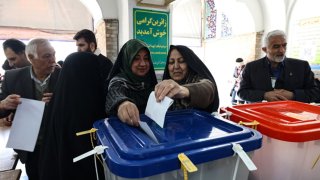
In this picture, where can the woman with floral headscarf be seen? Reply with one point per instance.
(130, 82)
(188, 81)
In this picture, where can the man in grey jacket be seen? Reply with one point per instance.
(33, 82)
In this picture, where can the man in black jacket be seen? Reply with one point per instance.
(14, 50)
(276, 77)
(86, 42)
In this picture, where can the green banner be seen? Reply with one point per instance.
(152, 27)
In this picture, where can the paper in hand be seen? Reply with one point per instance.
(157, 110)
(144, 126)
(26, 125)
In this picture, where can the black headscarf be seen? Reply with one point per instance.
(77, 102)
(196, 68)
(137, 89)
(122, 66)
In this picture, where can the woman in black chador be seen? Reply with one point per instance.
(78, 102)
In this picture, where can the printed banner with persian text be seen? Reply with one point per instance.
(152, 27)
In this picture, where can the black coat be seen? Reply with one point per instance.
(105, 65)
(296, 77)
(78, 101)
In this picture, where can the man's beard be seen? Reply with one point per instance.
(279, 59)
(88, 50)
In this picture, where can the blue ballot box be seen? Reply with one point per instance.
(206, 140)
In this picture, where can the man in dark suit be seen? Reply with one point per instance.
(33, 82)
(14, 51)
(86, 42)
(276, 77)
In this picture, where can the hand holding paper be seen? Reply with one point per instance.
(26, 124)
(157, 110)
(144, 126)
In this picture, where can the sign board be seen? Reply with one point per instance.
(305, 40)
(152, 27)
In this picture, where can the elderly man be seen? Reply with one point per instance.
(86, 42)
(276, 77)
(33, 82)
(14, 50)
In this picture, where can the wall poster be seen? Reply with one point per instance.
(152, 27)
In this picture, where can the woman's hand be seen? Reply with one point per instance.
(128, 113)
(171, 89)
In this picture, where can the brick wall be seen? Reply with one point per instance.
(101, 38)
(107, 36)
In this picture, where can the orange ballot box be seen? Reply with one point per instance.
(291, 138)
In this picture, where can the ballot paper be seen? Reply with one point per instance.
(157, 110)
(26, 125)
(144, 126)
